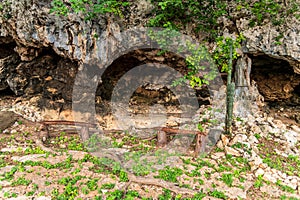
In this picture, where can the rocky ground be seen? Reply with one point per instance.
(260, 160)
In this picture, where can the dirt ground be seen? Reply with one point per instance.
(121, 165)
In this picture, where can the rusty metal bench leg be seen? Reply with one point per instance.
(84, 133)
(198, 145)
(44, 132)
(161, 138)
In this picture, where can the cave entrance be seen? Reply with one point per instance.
(7, 49)
(279, 85)
(7, 93)
(148, 98)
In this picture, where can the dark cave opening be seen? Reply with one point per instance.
(7, 92)
(280, 86)
(148, 94)
(275, 79)
(297, 90)
(7, 49)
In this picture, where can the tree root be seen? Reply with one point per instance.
(40, 144)
(160, 183)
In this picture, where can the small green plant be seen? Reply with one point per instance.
(142, 168)
(9, 175)
(284, 197)
(108, 186)
(34, 189)
(258, 136)
(169, 174)
(36, 150)
(207, 175)
(85, 190)
(200, 195)
(21, 181)
(223, 168)
(116, 144)
(285, 188)
(227, 179)
(10, 195)
(47, 183)
(166, 195)
(3, 163)
(217, 194)
(123, 176)
(200, 127)
(258, 182)
(117, 194)
(131, 195)
(92, 184)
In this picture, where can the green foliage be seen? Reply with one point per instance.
(221, 54)
(197, 60)
(9, 175)
(177, 13)
(285, 188)
(5, 9)
(264, 8)
(227, 179)
(3, 162)
(10, 195)
(108, 186)
(217, 194)
(70, 190)
(272, 10)
(166, 195)
(200, 195)
(32, 150)
(59, 7)
(131, 195)
(117, 194)
(92, 184)
(88, 8)
(258, 182)
(169, 174)
(123, 176)
(21, 181)
(198, 54)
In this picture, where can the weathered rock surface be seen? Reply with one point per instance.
(45, 50)
(33, 29)
(7, 119)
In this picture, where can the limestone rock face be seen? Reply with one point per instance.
(7, 64)
(44, 50)
(30, 25)
(281, 42)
